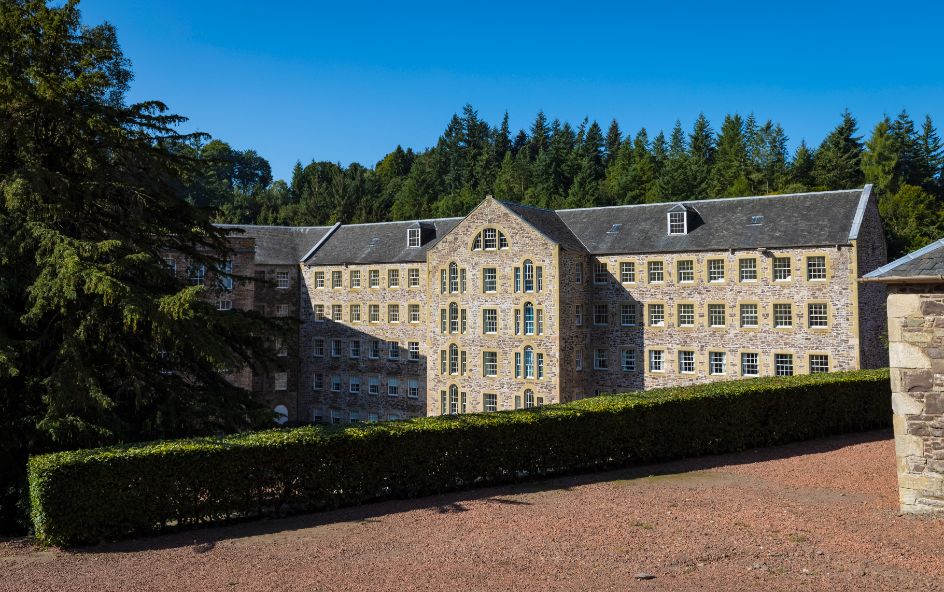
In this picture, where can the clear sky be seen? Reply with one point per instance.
(345, 81)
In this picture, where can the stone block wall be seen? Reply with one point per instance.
(916, 351)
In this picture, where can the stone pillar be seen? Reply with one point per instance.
(916, 354)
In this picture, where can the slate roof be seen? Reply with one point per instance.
(925, 264)
(795, 220)
(548, 223)
(381, 242)
(281, 245)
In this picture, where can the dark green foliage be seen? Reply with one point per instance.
(836, 162)
(89, 495)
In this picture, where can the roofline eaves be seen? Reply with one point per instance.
(875, 274)
(860, 212)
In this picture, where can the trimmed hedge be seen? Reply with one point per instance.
(85, 496)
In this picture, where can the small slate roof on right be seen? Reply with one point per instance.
(925, 264)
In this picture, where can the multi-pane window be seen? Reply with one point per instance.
(355, 278)
(355, 313)
(601, 360)
(750, 364)
(782, 269)
(335, 279)
(393, 278)
(319, 279)
(414, 348)
(656, 272)
(354, 348)
(686, 362)
(656, 315)
(716, 315)
(317, 382)
(528, 399)
(281, 381)
(601, 314)
(457, 319)
(413, 389)
(578, 360)
(783, 364)
(816, 268)
(748, 315)
(656, 360)
(453, 359)
(354, 385)
(453, 278)
(373, 386)
(393, 387)
(336, 347)
(490, 363)
(413, 277)
(393, 313)
(528, 318)
(373, 313)
(529, 362)
(685, 271)
(490, 402)
(716, 270)
(627, 314)
(414, 312)
(818, 315)
(676, 222)
(373, 351)
(578, 273)
(224, 304)
(335, 383)
(225, 280)
(783, 315)
(578, 314)
(717, 362)
(489, 279)
(281, 310)
(373, 278)
(490, 320)
(281, 279)
(747, 270)
(393, 349)
(337, 312)
(318, 348)
(628, 360)
(819, 363)
(197, 273)
(319, 312)
(528, 276)
(490, 236)
(627, 272)
(601, 274)
(413, 237)
(686, 315)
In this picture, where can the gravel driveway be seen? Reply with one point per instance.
(819, 515)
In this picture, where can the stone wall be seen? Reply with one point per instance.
(871, 254)
(916, 346)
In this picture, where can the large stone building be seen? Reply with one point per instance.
(516, 306)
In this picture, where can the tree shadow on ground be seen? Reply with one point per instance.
(204, 540)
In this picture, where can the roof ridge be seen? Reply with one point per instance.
(227, 225)
(404, 221)
(692, 202)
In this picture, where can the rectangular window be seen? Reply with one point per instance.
(393, 278)
(540, 358)
(656, 315)
(818, 315)
(489, 279)
(413, 277)
(685, 271)
(354, 348)
(373, 351)
(748, 314)
(318, 348)
(578, 273)
(600, 360)
(628, 360)
(517, 279)
(686, 362)
(335, 279)
(656, 360)
(578, 314)
(578, 360)
(783, 315)
(716, 270)
(335, 383)
(490, 320)
(816, 268)
(627, 272)
(226, 275)
(517, 364)
(318, 310)
(319, 279)
(517, 321)
(686, 315)
(442, 281)
(373, 278)
(414, 311)
(601, 274)
(373, 313)
(490, 363)
(355, 278)
(601, 314)
(336, 347)
(413, 389)
(354, 386)
(393, 349)
(224, 305)
(750, 364)
(281, 310)
(281, 348)
(490, 236)
(373, 386)
(281, 280)
(336, 312)
(393, 387)
(676, 222)
(413, 237)
(656, 272)
(819, 363)
(716, 316)
(393, 313)
(783, 364)
(747, 270)
(717, 362)
(317, 382)
(490, 402)
(628, 315)
(355, 313)
(414, 349)
(782, 269)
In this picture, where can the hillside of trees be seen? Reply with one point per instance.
(557, 165)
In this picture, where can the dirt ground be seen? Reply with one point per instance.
(820, 515)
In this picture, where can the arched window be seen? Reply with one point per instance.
(528, 318)
(281, 414)
(528, 362)
(528, 399)
(453, 278)
(491, 238)
(453, 359)
(453, 399)
(477, 243)
(453, 317)
(528, 276)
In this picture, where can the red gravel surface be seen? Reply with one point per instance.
(819, 515)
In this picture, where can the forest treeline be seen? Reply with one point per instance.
(557, 165)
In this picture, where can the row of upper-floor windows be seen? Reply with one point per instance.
(336, 416)
(746, 315)
(528, 278)
(815, 268)
(453, 401)
(196, 273)
(527, 363)
(375, 349)
(355, 384)
(370, 313)
(686, 362)
(528, 320)
(373, 279)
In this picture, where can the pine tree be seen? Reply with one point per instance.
(800, 171)
(727, 174)
(539, 135)
(930, 158)
(902, 131)
(589, 170)
(880, 159)
(675, 182)
(701, 148)
(502, 139)
(836, 164)
(614, 137)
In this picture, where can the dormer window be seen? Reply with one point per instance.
(678, 220)
(413, 237)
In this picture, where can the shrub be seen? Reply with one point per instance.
(85, 496)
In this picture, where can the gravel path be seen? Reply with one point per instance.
(819, 515)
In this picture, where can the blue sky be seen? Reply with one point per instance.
(344, 81)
